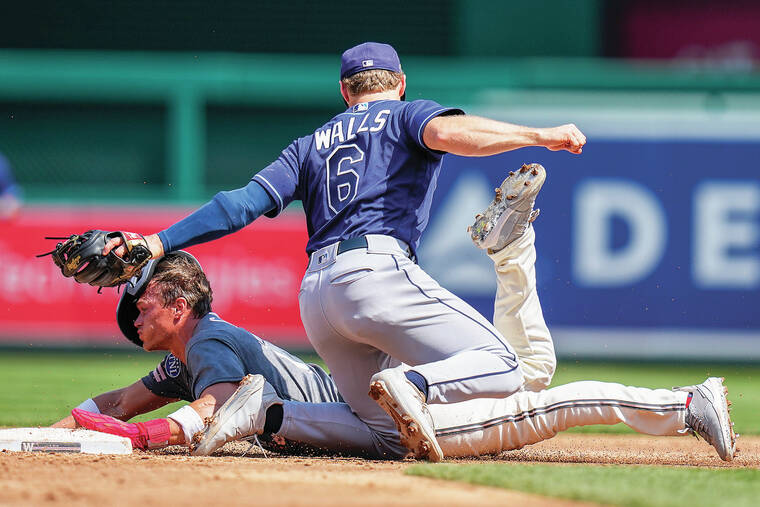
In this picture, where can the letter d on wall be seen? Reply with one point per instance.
(595, 262)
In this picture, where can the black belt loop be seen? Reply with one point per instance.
(352, 244)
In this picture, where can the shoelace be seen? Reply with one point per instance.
(698, 428)
(254, 440)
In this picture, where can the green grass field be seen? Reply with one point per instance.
(41, 386)
(629, 486)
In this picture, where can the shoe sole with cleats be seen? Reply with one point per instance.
(413, 435)
(515, 195)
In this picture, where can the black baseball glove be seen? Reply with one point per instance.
(81, 256)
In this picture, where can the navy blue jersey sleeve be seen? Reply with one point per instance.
(280, 179)
(226, 213)
(417, 115)
(170, 379)
(213, 361)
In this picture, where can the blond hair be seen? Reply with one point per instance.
(375, 80)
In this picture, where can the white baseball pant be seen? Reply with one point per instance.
(517, 311)
(489, 426)
(372, 308)
(485, 426)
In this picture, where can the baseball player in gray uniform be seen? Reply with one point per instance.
(278, 395)
(366, 180)
(169, 308)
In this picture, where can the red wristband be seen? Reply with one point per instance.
(154, 433)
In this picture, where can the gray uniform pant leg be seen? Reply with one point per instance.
(367, 310)
(335, 427)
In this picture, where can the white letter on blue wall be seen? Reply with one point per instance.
(725, 235)
(595, 262)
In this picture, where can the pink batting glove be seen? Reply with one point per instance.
(145, 435)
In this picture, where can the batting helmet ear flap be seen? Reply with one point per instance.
(126, 311)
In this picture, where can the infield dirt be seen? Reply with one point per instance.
(172, 477)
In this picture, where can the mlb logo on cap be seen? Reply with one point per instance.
(367, 56)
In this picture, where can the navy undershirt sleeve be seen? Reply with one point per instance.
(170, 379)
(226, 213)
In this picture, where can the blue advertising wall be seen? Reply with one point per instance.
(645, 247)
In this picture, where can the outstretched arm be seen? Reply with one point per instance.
(177, 428)
(473, 136)
(123, 404)
(226, 213)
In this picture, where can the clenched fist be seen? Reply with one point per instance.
(565, 137)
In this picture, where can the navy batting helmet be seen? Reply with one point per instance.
(126, 311)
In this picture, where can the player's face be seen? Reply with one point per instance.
(155, 323)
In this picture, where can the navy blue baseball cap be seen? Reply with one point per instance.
(368, 56)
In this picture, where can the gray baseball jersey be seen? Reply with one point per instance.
(221, 352)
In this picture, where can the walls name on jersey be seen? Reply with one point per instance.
(349, 128)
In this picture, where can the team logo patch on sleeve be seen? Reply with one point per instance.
(173, 366)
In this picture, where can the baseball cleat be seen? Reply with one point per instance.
(510, 212)
(403, 402)
(242, 415)
(708, 417)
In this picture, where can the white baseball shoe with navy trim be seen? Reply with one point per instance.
(708, 416)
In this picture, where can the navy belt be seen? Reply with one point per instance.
(352, 244)
(361, 242)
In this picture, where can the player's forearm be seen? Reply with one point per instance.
(177, 435)
(473, 136)
(113, 403)
(130, 401)
(108, 401)
(188, 420)
(226, 213)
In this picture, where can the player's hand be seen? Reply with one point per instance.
(120, 249)
(67, 422)
(146, 435)
(565, 137)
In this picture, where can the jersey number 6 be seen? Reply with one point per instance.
(342, 180)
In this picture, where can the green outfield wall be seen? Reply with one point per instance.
(422, 27)
(179, 126)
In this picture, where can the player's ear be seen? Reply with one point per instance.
(180, 306)
(402, 89)
(343, 91)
